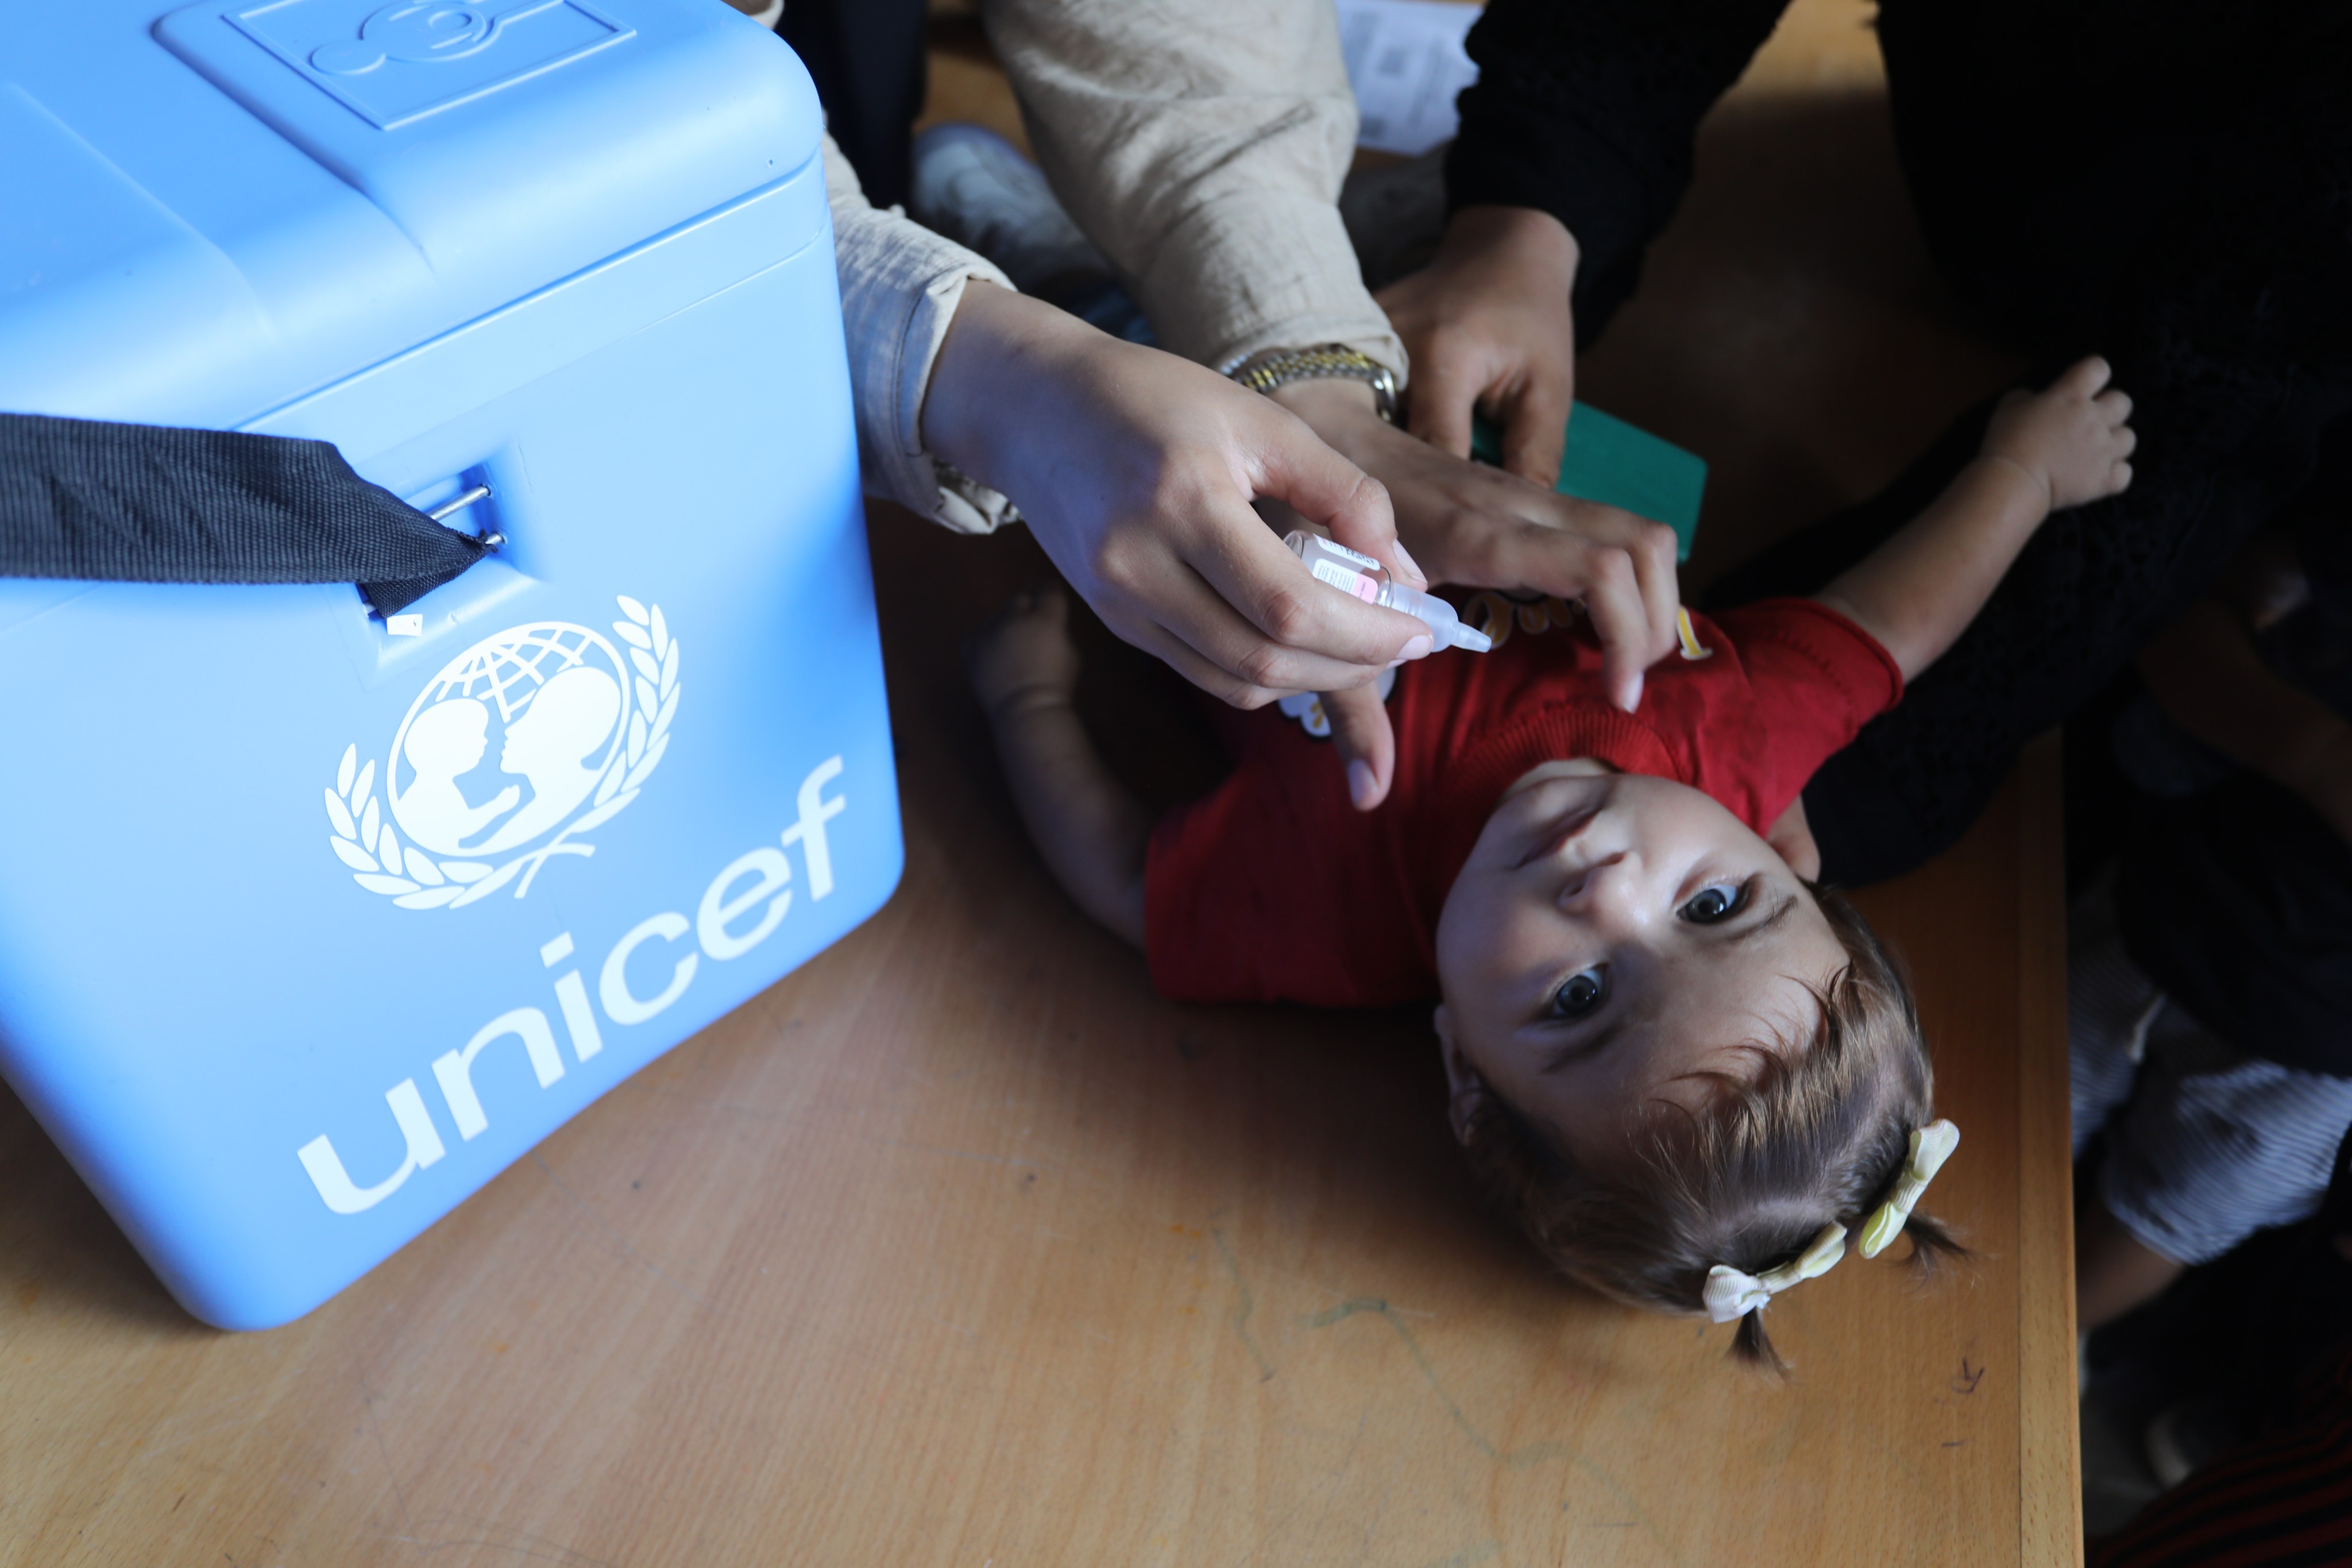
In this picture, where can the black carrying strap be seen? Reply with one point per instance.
(149, 503)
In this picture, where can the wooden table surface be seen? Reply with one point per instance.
(959, 1247)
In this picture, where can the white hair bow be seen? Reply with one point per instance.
(1930, 1146)
(1731, 1295)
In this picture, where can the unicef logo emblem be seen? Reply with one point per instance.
(422, 31)
(520, 745)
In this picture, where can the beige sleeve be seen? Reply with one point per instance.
(1201, 143)
(901, 284)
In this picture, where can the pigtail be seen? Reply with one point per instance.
(1934, 1247)
(1751, 1347)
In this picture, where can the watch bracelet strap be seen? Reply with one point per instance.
(1271, 368)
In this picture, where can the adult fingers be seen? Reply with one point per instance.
(1366, 743)
(1179, 656)
(1197, 667)
(1621, 624)
(1367, 526)
(1442, 400)
(1270, 628)
(1657, 563)
(1299, 624)
(1535, 424)
(1294, 467)
(1625, 576)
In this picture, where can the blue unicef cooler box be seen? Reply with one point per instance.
(307, 928)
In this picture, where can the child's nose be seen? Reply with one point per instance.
(1604, 885)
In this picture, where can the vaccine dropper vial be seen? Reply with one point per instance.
(1368, 580)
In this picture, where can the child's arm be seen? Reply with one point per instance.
(2044, 451)
(1091, 831)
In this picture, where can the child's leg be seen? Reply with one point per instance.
(2110, 1007)
(2214, 1146)
(2113, 1270)
(1091, 830)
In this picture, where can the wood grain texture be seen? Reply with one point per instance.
(961, 1247)
(2051, 1460)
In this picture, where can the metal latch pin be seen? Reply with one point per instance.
(491, 541)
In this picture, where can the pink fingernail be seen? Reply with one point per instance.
(1359, 785)
(1405, 560)
(1417, 646)
(1633, 696)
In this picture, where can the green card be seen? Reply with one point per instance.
(1617, 464)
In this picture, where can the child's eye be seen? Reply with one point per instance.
(1585, 991)
(1710, 905)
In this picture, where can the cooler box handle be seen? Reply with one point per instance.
(95, 501)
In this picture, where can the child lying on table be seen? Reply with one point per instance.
(1689, 1071)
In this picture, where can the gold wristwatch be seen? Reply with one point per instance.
(1271, 368)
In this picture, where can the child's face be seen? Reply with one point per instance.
(1611, 933)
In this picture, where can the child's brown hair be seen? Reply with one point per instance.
(1817, 1135)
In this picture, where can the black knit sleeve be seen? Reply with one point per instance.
(1587, 109)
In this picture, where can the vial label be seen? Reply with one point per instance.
(1348, 582)
(1366, 562)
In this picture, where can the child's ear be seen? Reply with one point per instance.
(1467, 1093)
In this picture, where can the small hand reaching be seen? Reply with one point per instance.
(2044, 451)
(2071, 437)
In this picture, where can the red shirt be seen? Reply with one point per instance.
(1275, 888)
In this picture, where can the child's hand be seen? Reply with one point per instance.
(2071, 437)
(1024, 656)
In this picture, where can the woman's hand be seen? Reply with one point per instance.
(1481, 528)
(1137, 470)
(1487, 324)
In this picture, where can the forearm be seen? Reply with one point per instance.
(901, 289)
(1552, 123)
(1201, 147)
(1092, 832)
(1917, 592)
(2207, 673)
(998, 342)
